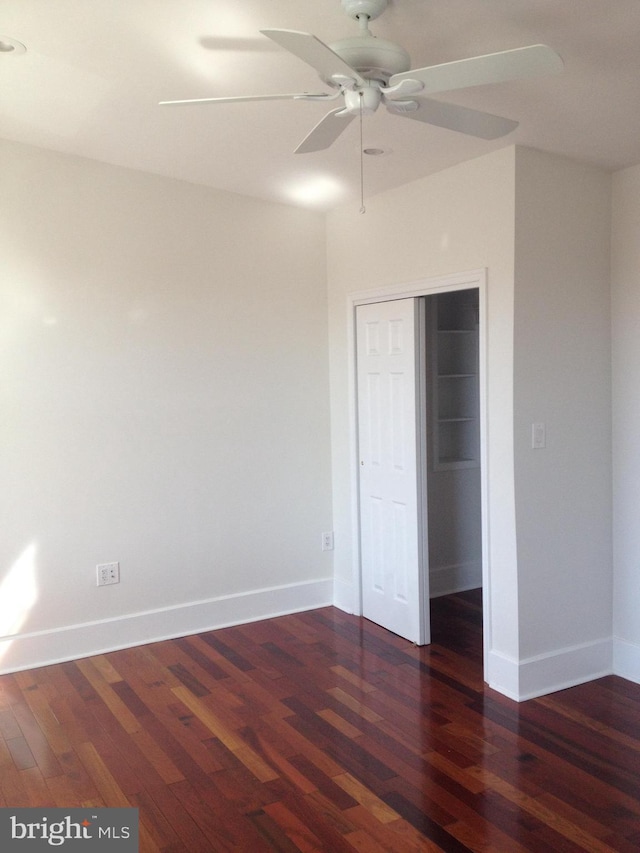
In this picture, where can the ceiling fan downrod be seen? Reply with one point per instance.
(374, 58)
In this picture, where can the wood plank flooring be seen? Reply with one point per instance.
(323, 732)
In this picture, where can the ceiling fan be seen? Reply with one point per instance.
(365, 71)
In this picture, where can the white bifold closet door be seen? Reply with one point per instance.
(392, 525)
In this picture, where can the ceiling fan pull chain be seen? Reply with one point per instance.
(362, 207)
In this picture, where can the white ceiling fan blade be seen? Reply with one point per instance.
(299, 96)
(454, 117)
(315, 53)
(325, 132)
(537, 59)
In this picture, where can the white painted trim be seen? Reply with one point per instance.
(345, 596)
(564, 668)
(422, 472)
(547, 673)
(485, 478)
(626, 659)
(41, 648)
(501, 674)
(445, 580)
(423, 287)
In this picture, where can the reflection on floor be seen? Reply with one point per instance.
(321, 731)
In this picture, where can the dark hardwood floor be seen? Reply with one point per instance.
(323, 732)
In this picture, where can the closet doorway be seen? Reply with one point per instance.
(421, 439)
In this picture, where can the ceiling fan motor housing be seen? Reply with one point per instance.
(373, 58)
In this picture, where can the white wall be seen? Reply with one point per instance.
(540, 225)
(457, 220)
(164, 368)
(625, 280)
(562, 377)
(164, 403)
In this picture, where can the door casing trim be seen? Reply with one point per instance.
(423, 287)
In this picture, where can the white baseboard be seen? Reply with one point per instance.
(41, 648)
(502, 674)
(445, 580)
(344, 596)
(542, 674)
(626, 659)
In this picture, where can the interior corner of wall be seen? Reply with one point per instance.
(626, 660)
(344, 595)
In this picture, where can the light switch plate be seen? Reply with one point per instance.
(538, 436)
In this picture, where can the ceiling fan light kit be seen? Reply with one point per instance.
(367, 71)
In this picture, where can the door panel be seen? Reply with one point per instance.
(393, 570)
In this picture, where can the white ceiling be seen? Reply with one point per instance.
(94, 71)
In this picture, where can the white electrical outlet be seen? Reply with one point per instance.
(108, 573)
(327, 541)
